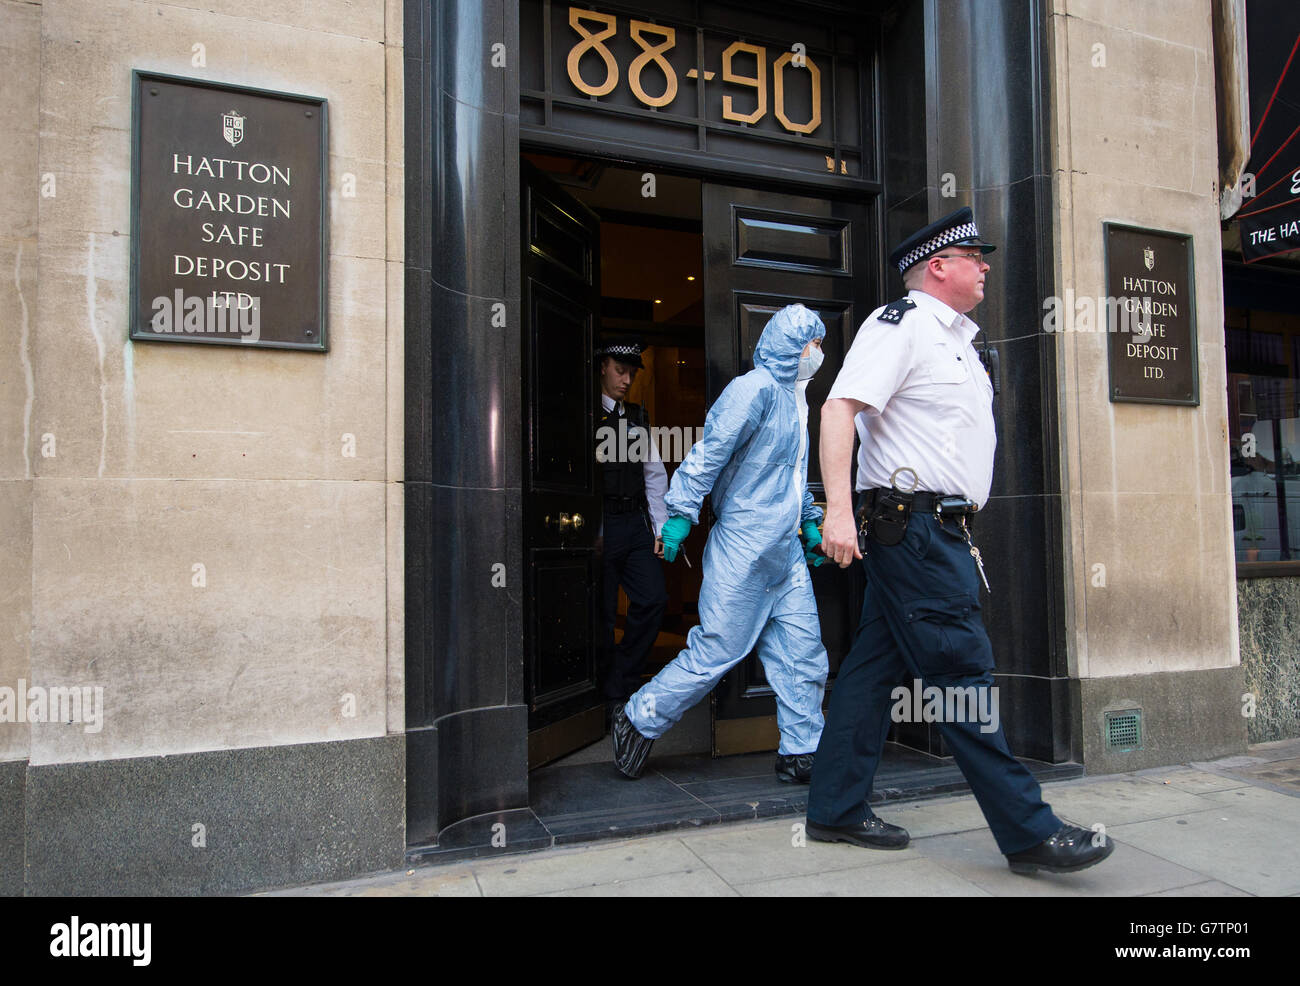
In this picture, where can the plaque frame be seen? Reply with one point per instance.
(138, 333)
(1112, 341)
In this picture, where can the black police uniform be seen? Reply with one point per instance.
(921, 612)
(629, 559)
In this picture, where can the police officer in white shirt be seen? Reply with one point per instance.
(922, 403)
(635, 482)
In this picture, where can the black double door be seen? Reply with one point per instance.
(762, 251)
(562, 497)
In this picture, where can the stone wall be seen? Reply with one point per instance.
(125, 464)
(1149, 561)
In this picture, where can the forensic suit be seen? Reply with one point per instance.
(753, 458)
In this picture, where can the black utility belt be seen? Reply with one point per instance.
(922, 500)
(623, 504)
(883, 513)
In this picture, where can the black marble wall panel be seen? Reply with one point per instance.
(986, 132)
(465, 767)
(903, 119)
(421, 784)
(270, 816)
(464, 431)
(1021, 464)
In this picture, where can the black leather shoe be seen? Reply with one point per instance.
(631, 749)
(1069, 850)
(871, 834)
(795, 768)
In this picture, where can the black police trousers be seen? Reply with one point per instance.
(629, 559)
(921, 629)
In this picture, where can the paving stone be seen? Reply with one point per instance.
(431, 881)
(1120, 800)
(573, 869)
(907, 878)
(764, 851)
(1189, 779)
(1281, 806)
(1210, 888)
(701, 882)
(974, 856)
(1240, 846)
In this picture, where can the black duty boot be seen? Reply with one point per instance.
(874, 833)
(1069, 850)
(795, 768)
(631, 749)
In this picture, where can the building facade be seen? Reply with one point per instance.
(336, 603)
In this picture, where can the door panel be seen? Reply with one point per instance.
(561, 293)
(764, 251)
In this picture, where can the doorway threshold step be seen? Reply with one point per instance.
(592, 801)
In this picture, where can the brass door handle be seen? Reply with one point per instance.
(566, 522)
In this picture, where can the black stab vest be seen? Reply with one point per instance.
(624, 478)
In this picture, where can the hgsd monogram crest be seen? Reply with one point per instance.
(232, 127)
(1149, 258)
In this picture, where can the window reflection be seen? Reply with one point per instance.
(1263, 357)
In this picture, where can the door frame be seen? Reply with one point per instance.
(745, 733)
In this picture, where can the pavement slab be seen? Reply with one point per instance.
(772, 850)
(1234, 844)
(1226, 828)
(1128, 872)
(688, 883)
(574, 869)
(909, 877)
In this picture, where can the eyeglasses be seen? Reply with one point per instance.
(977, 257)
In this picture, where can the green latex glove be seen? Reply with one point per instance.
(811, 538)
(673, 534)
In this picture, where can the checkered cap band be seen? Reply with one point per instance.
(619, 350)
(966, 231)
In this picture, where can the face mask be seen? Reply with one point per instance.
(809, 365)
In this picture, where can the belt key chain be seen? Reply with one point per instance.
(975, 553)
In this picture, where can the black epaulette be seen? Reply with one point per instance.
(895, 310)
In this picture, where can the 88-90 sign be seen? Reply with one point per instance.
(655, 41)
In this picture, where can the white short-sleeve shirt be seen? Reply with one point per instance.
(929, 401)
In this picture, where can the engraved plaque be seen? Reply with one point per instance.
(228, 228)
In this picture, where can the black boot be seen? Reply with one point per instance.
(874, 833)
(631, 749)
(1069, 850)
(795, 768)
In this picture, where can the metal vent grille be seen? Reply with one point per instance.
(1124, 730)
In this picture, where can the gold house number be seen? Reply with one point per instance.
(645, 34)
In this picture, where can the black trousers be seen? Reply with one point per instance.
(629, 560)
(921, 626)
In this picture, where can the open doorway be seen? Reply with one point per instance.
(651, 291)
